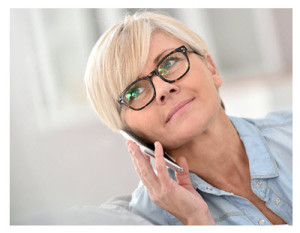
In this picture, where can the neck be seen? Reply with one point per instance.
(217, 155)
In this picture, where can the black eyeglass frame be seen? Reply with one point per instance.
(181, 49)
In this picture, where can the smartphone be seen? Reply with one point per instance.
(148, 149)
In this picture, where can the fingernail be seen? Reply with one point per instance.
(130, 149)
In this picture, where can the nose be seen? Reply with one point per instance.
(164, 90)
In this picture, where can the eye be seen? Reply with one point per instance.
(134, 93)
(170, 62)
(167, 65)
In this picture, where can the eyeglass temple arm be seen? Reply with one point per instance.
(194, 51)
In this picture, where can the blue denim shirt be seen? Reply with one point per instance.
(268, 144)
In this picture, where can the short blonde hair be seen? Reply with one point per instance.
(119, 56)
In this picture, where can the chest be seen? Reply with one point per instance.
(261, 205)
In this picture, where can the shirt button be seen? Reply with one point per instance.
(277, 201)
(261, 222)
(208, 188)
(259, 183)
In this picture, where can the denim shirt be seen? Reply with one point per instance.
(268, 144)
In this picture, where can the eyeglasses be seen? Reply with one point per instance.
(171, 68)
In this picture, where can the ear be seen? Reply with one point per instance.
(213, 70)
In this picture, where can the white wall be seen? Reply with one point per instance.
(81, 162)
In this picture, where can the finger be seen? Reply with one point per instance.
(142, 176)
(141, 172)
(143, 166)
(162, 171)
(133, 147)
(144, 155)
(138, 157)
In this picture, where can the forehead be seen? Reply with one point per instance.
(161, 41)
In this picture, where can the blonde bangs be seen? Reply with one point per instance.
(116, 60)
(130, 50)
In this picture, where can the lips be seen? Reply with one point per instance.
(178, 107)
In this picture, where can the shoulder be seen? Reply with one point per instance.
(276, 119)
(276, 127)
(276, 130)
(272, 132)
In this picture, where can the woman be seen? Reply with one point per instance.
(236, 171)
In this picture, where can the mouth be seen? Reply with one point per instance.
(177, 108)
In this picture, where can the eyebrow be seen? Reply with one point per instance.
(157, 59)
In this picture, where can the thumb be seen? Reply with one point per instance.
(183, 178)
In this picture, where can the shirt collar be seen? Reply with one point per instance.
(261, 161)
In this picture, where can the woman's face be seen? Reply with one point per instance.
(200, 85)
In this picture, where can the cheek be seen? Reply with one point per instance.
(143, 123)
(202, 82)
(201, 73)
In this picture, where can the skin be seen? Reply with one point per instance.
(201, 139)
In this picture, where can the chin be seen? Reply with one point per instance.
(194, 127)
(186, 130)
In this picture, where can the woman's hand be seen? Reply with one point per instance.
(178, 198)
